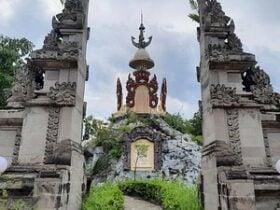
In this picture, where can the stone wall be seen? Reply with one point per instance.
(240, 119)
(40, 131)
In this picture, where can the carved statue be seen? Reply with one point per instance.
(257, 81)
(72, 16)
(23, 86)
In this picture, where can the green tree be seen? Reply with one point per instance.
(196, 124)
(12, 51)
(194, 6)
(141, 152)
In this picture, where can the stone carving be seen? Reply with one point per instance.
(16, 147)
(63, 94)
(52, 134)
(215, 13)
(224, 153)
(234, 135)
(24, 84)
(72, 17)
(257, 81)
(267, 149)
(119, 94)
(143, 133)
(130, 86)
(224, 96)
(51, 41)
(141, 78)
(62, 152)
(56, 48)
(163, 94)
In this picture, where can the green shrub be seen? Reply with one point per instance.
(171, 195)
(105, 197)
(177, 122)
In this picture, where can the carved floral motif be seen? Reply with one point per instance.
(63, 94)
(143, 133)
(16, 147)
(224, 96)
(52, 133)
(234, 135)
(142, 78)
(119, 94)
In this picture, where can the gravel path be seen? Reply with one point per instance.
(132, 203)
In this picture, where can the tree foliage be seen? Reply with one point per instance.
(12, 51)
(194, 6)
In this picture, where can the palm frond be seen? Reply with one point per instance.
(194, 17)
(194, 4)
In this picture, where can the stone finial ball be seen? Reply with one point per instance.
(277, 166)
(3, 164)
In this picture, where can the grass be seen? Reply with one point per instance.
(105, 197)
(171, 195)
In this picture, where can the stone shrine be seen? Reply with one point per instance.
(41, 129)
(142, 95)
(241, 120)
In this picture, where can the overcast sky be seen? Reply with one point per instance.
(174, 48)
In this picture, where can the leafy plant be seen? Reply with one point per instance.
(141, 152)
(12, 52)
(194, 6)
(105, 197)
(171, 195)
(192, 126)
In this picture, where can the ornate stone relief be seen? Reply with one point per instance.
(56, 48)
(72, 16)
(234, 135)
(257, 81)
(224, 153)
(16, 147)
(63, 94)
(141, 78)
(214, 11)
(163, 94)
(143, 133)
(224, 96)
(52, 134)
(119, 94)
(62, 152)
(24, 84)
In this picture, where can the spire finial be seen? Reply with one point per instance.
(142, 44)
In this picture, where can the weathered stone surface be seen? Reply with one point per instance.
(180, 159)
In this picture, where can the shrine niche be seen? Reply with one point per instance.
(142, 149)
(142, 96)
(142, 155)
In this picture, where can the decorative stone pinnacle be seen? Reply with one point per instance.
(141, 44)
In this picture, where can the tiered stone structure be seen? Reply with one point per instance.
(142, 91)
(40, 132)
(241, 120)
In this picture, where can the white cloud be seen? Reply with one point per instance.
(49, 8)
(175, 105)
(7, 11)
